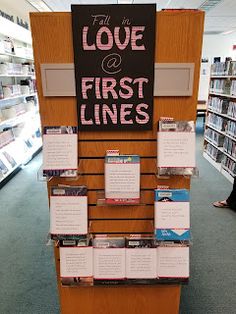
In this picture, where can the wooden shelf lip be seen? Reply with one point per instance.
(222, 95)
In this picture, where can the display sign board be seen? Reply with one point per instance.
(114, 66)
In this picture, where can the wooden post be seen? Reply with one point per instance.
(178, 39)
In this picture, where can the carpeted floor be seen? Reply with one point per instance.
(28, 283)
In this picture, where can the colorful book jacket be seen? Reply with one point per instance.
(172, 215)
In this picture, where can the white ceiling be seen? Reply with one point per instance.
(219, 19)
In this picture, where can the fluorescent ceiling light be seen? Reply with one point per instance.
(209, 4)
(39, 5)
(228, 32)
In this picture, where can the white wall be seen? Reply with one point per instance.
(214, 46)
(219, 46)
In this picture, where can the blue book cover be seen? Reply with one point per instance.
(172, 215)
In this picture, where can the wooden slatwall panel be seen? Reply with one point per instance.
(178, 39)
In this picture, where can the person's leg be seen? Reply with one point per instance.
(231, 200)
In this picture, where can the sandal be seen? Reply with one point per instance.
(221, 204)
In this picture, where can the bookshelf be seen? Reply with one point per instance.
(220, 130)
(20, 136)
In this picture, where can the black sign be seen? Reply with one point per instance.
(114, 66)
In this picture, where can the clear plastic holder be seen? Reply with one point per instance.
(166, 173)
(101, 200)
(49, 241)
(173, 243)
(41, 177)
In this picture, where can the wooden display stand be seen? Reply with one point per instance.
(178, 39)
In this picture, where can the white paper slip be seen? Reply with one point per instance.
(76, 261)
(176, 149)
(173, 262)
(60, 151)
(68, 215)
(122, 178)
(109, 263)
(172, 215)
(141, 263)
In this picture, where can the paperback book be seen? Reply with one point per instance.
(172, 215)
(175, 147)
(141, 262)
(109, 260)
(173, 263)
(68, 212)
(76, 263)
(122, 179)
(60, 151)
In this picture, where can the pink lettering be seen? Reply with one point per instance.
(109, 44)
(83, 119)
(112, 114)
(142, 113)
(126, 87)
(86, 86)
(96, 112)
(108, 85)
(135, 37)
(125, 110)
(140, 82)
(117, 37)
(84, 40)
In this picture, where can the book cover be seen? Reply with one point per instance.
(109, 261)
(176, 147)
(141, 262)
(76, 263)
(68, 212)
(172, 214)
(173, 263)
(60, 151)
(122, 179)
